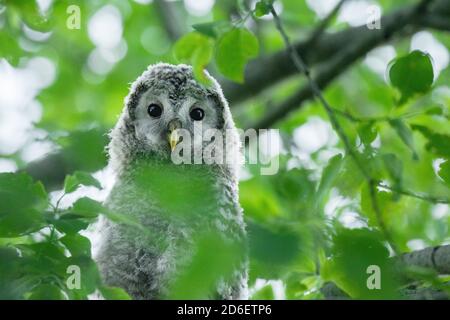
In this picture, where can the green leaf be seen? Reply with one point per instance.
(350, 179)
(90, 277)
(77, 245)
(195, 49)
(273, 246)
(262, 8)
(438, 144)
(214, 260)
(18, 192)
(435, 111)
(22, 202)
(46, 292)
(294, 186)
(265, 293)
(329, 176)
(114, 293)
(394, 167)
(87, 207)
(68, 223)
(405, 133)
(234, 49)
(367, 204)
(31, 15)
(353, 252)
(388, 208)
(411, 74)
(294, 287)
(10, 49)
(444, 172)
(367, 132)
(212, 29)
(171, 185)
(12, 285)
(258, 200)
(85, 149)
(21, 223)
(72, 182)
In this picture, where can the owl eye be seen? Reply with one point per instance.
(197, 114)
(154, 110)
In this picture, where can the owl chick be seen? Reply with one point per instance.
(170, 204)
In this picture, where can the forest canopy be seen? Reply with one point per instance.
(358, 91)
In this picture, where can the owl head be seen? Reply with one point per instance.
(164, 100)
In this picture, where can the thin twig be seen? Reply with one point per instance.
(417, 195)
(317, 33)
(316, 91)
(334, 60)
(56, 207)
(354, 118)
(303, 68)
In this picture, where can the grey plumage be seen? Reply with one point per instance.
(145, 263)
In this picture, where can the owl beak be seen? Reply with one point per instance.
(173, 139)
(174, 136)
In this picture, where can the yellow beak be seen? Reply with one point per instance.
(173, 139)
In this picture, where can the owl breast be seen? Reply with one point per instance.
(162, 208)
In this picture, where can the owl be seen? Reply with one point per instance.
(170, 204)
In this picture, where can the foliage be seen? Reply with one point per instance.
(412, 74)
(234, 49)
(195, 49)
(40, 242)
(316, 220)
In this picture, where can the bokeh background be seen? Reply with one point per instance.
(61, 90)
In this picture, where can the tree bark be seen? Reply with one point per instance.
(434, 258)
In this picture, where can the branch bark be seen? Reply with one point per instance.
(425, 293)
(332, 292)
(51, 170)
(434, 258)
(437, 22)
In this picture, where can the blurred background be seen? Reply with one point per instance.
(65, 69)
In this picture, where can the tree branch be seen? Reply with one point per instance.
(50, 170)
(325, 74)
(437, 22)
(425, 293)
(434, 258)
(317, 33)
(362, 43)
(266, 71)
(425, 197)
(332, 292)
(169, 18)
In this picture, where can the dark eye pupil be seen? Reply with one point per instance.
(154, 110)
(197, 114)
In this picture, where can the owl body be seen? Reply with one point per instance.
(168, 205)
